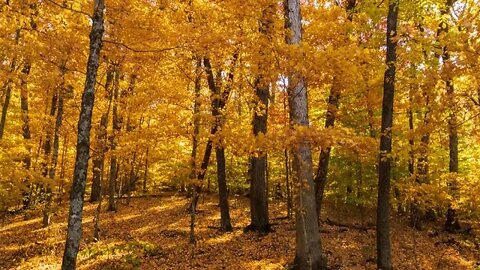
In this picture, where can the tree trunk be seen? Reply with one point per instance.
(308, 253)
(451, 222)
(8, 93)
(99, 159)
(27, 136)
(222, 190)
(56, 145)
(219, 100)
(384, 261)
(332, 107)
(113, 143)
(47, 150)
(74, 229)
(258, 162)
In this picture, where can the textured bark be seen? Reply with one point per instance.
(308, 253)
(99, 158)
(384, 261)
(74, 229)
(112, 182)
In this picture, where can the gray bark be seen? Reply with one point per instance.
(308, 253)
(74, 229)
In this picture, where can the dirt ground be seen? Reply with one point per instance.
(153, 233)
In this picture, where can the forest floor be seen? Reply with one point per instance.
(153, 233)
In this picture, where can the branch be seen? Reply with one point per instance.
(68, 8)
(128, 47)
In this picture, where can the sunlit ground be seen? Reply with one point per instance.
(153, 233)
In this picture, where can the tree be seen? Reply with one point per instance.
(74, 228)
(332, 103)
(308, 253)
(385, 159)
(258, 163)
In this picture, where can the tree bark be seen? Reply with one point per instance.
(74, 229)
(308, 253)
(384, 261)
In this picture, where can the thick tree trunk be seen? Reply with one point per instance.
(74, 229)
(308, 254)
(384, 260)
(258, 164)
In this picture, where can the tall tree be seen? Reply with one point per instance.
(56, 143)
(384, 260)
(258, 163)
(451, 222)
(332, 107)
(74, 229)
(308, 253)
(112, 181)
(99, 158)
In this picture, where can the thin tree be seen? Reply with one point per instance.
(74, 229)
(99, 158)
(384, 261)
(332, 107)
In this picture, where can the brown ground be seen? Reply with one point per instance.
(152, 233)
